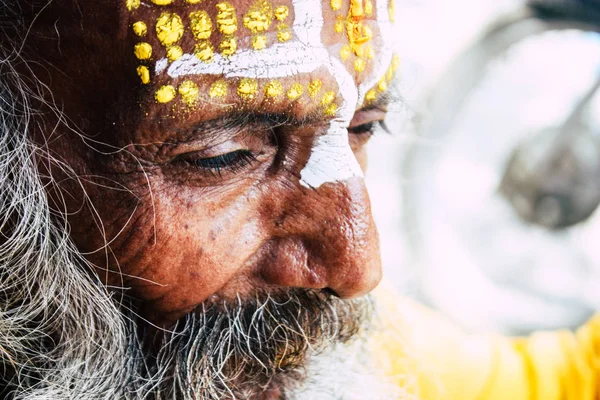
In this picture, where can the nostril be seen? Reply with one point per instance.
(330, 292)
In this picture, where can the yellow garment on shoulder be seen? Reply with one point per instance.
(433, 359)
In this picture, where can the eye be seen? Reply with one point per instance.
(359, 135)
(232, 161)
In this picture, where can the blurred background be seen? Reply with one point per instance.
(486, 197)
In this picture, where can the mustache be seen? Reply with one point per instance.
(229, 349)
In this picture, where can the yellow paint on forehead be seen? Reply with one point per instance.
(371, 95)
(143, 51)
(274, 89)
(314, 88)
(162, 2)
(247, 88)
(169, 28)
(174, 53)
(328, 98)
(281, 13)
(395, 62)
(204, 51)
(384, 81)
(165, 94)
(283, 34)
(144, 74)
(201, 25)
(339, 27)
(140, 28)
(218, 89)
(259, 16)
(382, 85)
(226, 18)
(392, 11)
(228, 46)
(295, 91)
(335, 4)
(189, 92)
(259, 42)
(331, 110)
(132, 4)
(360, 65)
(345, 52)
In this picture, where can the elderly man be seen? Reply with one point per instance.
(183, 213)
(183, 208)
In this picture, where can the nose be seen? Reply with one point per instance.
(323, 238)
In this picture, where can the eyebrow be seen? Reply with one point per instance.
(381, 103)
(233, 122)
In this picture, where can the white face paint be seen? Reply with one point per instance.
(332, 159)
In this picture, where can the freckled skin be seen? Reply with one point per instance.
(177, 235)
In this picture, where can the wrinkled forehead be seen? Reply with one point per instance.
(346, 41)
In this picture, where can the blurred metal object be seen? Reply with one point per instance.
(553, 179)
(504, 176)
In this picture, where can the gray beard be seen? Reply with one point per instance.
(248, 349)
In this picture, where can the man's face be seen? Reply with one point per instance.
(219, 144)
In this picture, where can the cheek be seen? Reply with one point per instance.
(184, 248)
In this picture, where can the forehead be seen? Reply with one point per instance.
(241, 48)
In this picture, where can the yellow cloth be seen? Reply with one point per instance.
(433, 359)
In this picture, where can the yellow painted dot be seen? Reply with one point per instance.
(295, 91)
(201, 25)
(389, 74)
(162, 2)
(370, 52)
(281, 13)
(144, 74)
(382, 85)
(356, 8)
(314, 88)
(371, 95)
(194, 1)
(228, 46)
(165, 94)
(368, 7)
(335, 4)
(274, 89)
(359, 65)
(169, 28)
(284, 34)
(247, 88)
(174, 53)
(339, 26)
(345, 52)
(259, 42)
(226, 18)
(395, 62)
(259, 16)
(204, 51)
(331, 109)
(189, 92)
(140, 28)
(367, 34)
(328, 98)
(218, 89)
(392, 11)
(132, 4)
(143, 51)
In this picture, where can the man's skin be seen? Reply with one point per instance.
(151, 219)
